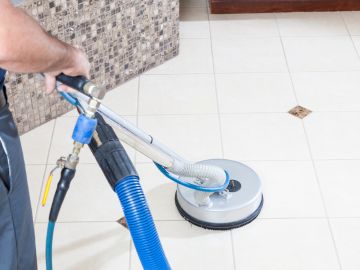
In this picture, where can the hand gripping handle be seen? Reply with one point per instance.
(76, 83)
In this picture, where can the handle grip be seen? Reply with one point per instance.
(76, 83)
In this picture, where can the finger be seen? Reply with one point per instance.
(50, 83)
(64, 88)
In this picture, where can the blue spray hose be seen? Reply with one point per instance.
(141, 224)
(69, 98)
(191, 185)
(49, 244)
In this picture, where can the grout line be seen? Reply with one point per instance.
(233, 249)
(249, 72)
(216, 90)
(78, 221)
(352, 111)
(220, 125)
(312, 159)
(337, 159)
(351, 37)
(243, 113)
(279, 160)
(222, 114)
(137, 115)
(244, 160)
(322, 197)
(76, 116)
(130, 251)
(107, 221)
(204, 38)
(205, 114)
(236, 37)
(179, 114)
(344, 217)
(290, 218)
(45, 171)
(184, 221)
(135, 154)
(287, 62)
(310, 218)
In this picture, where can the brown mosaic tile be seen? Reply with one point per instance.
(300, 112)
(121, 38)
(122, 222)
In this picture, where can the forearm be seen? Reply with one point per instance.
(26, 47)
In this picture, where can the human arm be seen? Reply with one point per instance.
(25, 47)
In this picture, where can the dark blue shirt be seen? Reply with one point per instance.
(2, 74)
(2, 78)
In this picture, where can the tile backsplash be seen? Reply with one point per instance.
(121, 38)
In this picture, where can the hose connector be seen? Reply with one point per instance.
(67, 176)
(94, 91)
(84, 129)
(110, 153)
(82, 84)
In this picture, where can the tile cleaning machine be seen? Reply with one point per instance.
(215, 194)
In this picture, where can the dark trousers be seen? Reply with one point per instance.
(17, 240)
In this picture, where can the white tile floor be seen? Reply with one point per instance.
(227, 95)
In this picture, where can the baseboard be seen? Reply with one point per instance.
(254, 6)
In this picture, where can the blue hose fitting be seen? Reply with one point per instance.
(141, 224)
(84, 129)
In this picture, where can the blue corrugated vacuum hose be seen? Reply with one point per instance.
(141, 224)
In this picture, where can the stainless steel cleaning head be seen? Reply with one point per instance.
(227, 210)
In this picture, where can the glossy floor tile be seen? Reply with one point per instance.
(258, 136)
(311, 24)
(36, 143)
(328, 91)
(339, 180)
(96, 245)
(356, 40)
(347, 238)
(243, 25)
(123, 99)
(200, 249)
(227, 95)
(290, 189)
(177, 94)
(321, 54)
(334, 135)
(35, 177)
(255, 92)
(248, 55)
(274, 244)
(194, 57)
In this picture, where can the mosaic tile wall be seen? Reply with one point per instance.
(121, 38)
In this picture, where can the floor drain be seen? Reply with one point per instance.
(300, 112)
(234, 186)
